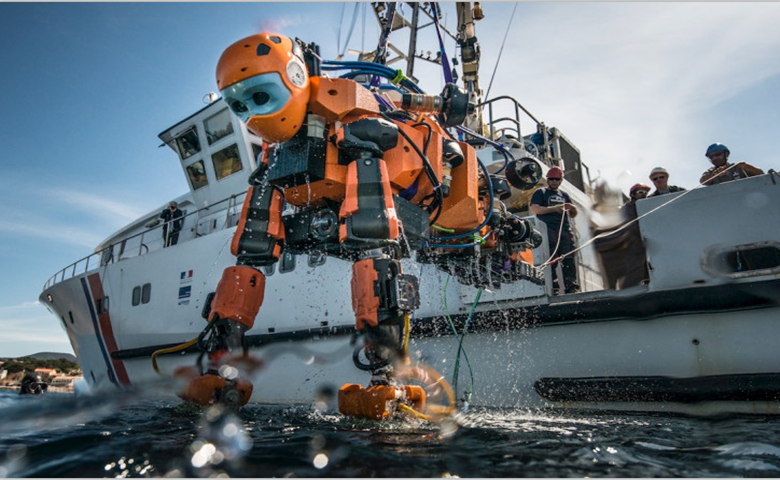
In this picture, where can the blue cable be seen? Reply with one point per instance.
(507, 154)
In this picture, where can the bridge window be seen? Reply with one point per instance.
(188, 143)
(256, 151)
(197, 174)
(218, 126)
(226, 162)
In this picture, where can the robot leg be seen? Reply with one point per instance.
(258, 241)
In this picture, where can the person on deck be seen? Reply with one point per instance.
(172, 217)
(722, 171)
(554, 208)
(660, 178)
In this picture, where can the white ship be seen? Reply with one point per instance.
(698, 337)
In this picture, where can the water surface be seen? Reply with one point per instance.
(60, 435)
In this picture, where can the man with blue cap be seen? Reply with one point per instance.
(722, 171)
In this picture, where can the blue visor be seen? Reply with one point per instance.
(259, 95)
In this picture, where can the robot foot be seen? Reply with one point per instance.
(381, 402)
(212, 388)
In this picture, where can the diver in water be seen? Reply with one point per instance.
(32, 385)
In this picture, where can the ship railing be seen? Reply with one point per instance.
(514, 121)
(149, 240)
(510, 125)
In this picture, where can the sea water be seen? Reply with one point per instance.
(131, 435)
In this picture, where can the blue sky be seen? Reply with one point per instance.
(86, 87)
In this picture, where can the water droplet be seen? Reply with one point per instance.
(320, 461)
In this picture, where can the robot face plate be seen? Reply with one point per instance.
(263, 94)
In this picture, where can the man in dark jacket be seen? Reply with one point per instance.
(554, 208)
(172, 217)
(722, 171)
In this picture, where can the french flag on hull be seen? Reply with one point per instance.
(186, 276)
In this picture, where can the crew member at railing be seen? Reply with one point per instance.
(660, 178)
(722, 171)
(172, 217)
(554, 207)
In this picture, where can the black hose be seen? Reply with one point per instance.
(428, 170)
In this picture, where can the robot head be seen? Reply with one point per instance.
(264, 81)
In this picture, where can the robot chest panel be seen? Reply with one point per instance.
(309, 172)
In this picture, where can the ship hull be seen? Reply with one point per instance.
(699, 350)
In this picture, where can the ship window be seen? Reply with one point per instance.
(188, 143)
(226, 161)
(136, 296)
(287, 263)
(107, 256)
(269, 270)
(197, 174)
(146, 292)
(256, 151)
(218, 126)
(101, 305)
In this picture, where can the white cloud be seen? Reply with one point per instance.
(51, 230)
(626, 81)
(65, 215)
(114, 212)
(22, 306)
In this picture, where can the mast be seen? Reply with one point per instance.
(412, 40)
(391, 19)
(469, 54)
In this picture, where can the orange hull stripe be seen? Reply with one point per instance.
(107, 330)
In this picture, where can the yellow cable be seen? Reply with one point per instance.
(407, 332)
(175, 349)
(406, 408)
(430, 377)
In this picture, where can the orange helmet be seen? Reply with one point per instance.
(265, 83)
(636, 187)
(555, 172)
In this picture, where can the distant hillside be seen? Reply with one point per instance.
(53, 356)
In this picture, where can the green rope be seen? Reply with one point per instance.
(460, 343)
